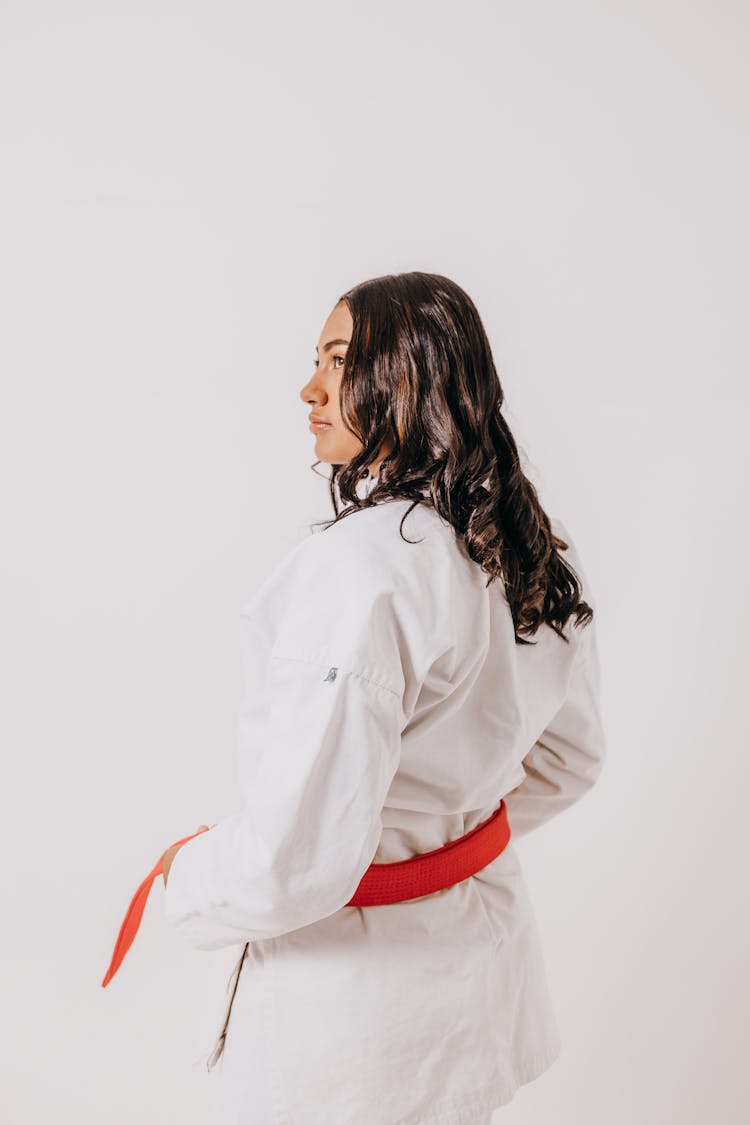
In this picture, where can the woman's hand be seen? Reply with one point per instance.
(170, 853)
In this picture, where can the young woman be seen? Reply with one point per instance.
(417, 661)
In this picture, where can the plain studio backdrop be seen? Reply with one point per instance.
(186, 191)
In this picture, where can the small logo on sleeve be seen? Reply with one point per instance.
(331, 675)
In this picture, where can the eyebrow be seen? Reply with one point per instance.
(332, 344)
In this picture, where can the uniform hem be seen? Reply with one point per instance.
(488, 1098)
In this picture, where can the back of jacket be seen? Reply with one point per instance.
(387, 709)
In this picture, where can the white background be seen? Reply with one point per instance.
(186, 191)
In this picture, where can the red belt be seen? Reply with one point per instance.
(381, 883)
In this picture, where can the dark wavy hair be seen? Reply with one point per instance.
(419, 373)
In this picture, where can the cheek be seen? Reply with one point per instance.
(338, 444)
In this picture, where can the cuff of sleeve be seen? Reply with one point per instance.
(185, 907)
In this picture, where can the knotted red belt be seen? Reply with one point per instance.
(381, 883)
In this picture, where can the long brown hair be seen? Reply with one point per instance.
(419, 372)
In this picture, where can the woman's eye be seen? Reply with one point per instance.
(315, 361)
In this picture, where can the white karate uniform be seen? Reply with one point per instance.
(387, 710)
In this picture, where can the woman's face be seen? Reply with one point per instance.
(333, 442)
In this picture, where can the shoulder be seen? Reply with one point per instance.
(358, 582)
(384, 543)
(394, 549)
(358, 555)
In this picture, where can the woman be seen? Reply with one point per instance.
(423, 655)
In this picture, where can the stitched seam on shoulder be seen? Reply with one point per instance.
(348, 671)
(375, 683)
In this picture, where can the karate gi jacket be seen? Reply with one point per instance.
(386, 710)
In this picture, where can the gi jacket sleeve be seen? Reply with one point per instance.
(567, 758)
(320, 737)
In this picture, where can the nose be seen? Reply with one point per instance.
(308, 393)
